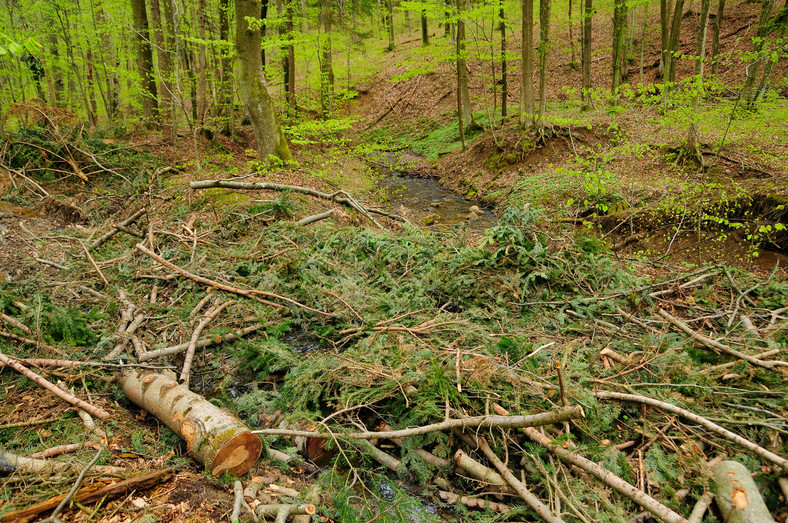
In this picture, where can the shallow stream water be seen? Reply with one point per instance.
(430, 204)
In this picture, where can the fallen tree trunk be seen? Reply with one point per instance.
(340, 197)
(737, 495)
(213, 437)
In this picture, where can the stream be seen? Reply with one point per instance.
(429, 204)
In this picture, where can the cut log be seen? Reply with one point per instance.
(737, 495)
(213, 436)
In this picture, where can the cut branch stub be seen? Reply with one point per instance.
(214, 438)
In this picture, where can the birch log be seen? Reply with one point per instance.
(213, 436)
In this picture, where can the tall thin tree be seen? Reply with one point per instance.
(527, 66)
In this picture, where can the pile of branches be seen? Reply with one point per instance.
(532, 375)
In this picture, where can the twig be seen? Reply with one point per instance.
(115, 230)
(93, 262)
(248, 293)
(48, 385)
(56, 451)
(714, 344)
(205, 342)
(18, 424)
(533, 420)
(209, 315)
(315, 218)
(238, 489)
(700, 508)
(516, 484)
(74, 488)
(472, 502)
(713, 427)
(53, 264)
(384, 458)
(282, 512)
(619, 485)
(47, 362)
(15, 323)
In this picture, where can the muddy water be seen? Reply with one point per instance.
(424, 201)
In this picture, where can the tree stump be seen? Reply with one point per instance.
(213, 436)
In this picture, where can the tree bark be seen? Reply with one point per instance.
(202, 66)
(390, 24)
(544, 51)
(664, 25)
(749, 93)
(782, 23)
(700, 61)
(504, 84)
(227, 104)
(585, 95)
(737, 495)
(527, 66)
(213, 437)
(165, 73)
(425, 37)
(464, 99)
(326, 64)
(268, 133)
(619, 23)
(715, 38)
(673, 42)
(290, 63)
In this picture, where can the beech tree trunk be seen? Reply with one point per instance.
(227, 109)
(213, 436)
(673, 42)
(326, 63)
(544, 49)
(425, 37)
(715, 38)
(267, 132)
(700, 61)
(464, 102)
(165, 73)
(619, 23)
(390, 9)
(664, 25)
(585, 94)
(504, 84)
(527, 69)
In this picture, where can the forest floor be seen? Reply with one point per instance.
(403, 326)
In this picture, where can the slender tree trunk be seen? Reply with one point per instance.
(749, 93)
(202, 66)
(673, 42)
(462, 71)
(664, 25)
(643, 42)
(544, 51)
(715, 38)
(263, 18)
(527, 69)
(326, 65)
(226, 63)
(148, 91)
(504, 84)
(573, 58)
(268, 133)
(700, 61)
(588, 13)
(165, 73)
(780, 22)
(425, 37)
(90, 87)
(109, 61)
(619, 23)
(390, 8)
(290, 71)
